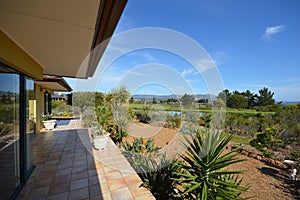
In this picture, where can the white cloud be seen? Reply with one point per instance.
(272, 30)
(255, 85)
(146, 56)
(133, 73)
(187, 72)
(220, 57)
(204, 64)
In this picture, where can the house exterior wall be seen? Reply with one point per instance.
(39, 96)
(12, 55)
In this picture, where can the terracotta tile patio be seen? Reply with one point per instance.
(67, 167)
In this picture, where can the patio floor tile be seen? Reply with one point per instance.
(79, 183)
(121, 194)
(65, 169)
(61, 179)
(79, 175)
(116, 184)
(79, 194)
(42, 183)
(95, 190)
(106, 196)
(61, 196)
(59, 188)
(39, 193)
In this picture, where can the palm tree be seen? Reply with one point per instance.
(204, 173)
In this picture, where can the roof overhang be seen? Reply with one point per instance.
(54, 83)
(59, 35)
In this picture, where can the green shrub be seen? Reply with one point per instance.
(295, 155)
(143, 116)
(204, 173)
(55, 103)
(266, 140)
(173, 121)
(156, 171)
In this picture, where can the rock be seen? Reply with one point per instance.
(272, 161)
(258, 157)
(278, 162)
(244, 152)
(252, 155)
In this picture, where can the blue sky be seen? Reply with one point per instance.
(254, 44)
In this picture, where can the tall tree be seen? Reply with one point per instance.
(224, 96)
(83, 100)
(99, 98)
(265, 97)
(187, 100)
(119, 99)
(237, 100)
(250, 97)
(154, 100)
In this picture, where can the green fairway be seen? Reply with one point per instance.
(177, 108)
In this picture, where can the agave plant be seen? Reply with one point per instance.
(204, 173)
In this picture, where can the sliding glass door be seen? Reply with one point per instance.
(9, 132)
(30, 122)
(17, 129)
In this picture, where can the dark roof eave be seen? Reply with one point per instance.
(58, 80)
(108, 17)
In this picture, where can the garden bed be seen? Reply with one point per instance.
(268, 178)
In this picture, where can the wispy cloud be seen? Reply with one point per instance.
(134, 73)
(220, 57)
(272, 30)
(187, 72)
(148, 57)
(204, 64)
(254, 85)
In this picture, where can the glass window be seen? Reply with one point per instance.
(9, 132)
(30, 121)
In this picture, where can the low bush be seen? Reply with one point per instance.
(156, 171)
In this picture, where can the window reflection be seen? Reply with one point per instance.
(9, 132)
(30, 121)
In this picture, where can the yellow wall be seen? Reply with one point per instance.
(39, 96)
(15, 57)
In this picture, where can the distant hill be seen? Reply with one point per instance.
(147, 97)
(286, 103)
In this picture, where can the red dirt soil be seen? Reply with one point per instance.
(266, 182)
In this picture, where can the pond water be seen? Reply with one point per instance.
(172, 113)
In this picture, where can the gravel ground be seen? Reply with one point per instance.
(266, 182)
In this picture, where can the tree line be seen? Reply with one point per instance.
(246, 99)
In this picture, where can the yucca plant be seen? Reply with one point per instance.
(204, 173)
